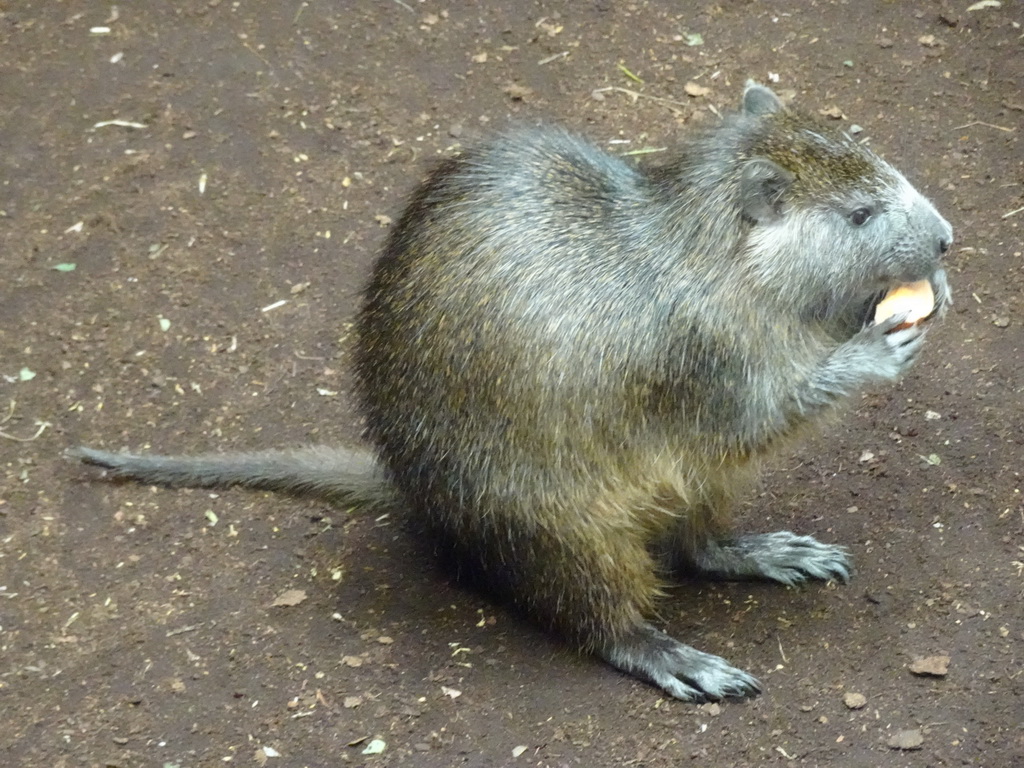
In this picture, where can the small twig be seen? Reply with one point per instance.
(407, 7)
(644, 151)
(119, 124)
(627, 73)
(10, 413)
(42, 428)
(257, 54)
(1012, 213)
(987, 125)
(549, 59)
(183, 630)
(637, 95)
(782, 653)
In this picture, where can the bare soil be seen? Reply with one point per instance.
(220, 235)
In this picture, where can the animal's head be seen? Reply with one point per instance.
(833, 223)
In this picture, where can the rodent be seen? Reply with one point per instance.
(570, 365)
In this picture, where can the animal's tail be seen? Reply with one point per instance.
(346, 475)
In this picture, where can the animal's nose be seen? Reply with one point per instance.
(944, 243)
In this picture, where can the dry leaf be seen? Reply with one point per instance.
(288, 598)
(517, 92)
(932, 666)
(263, 753)
(907, 740)
(855, 700)
(692, 89)
(551, 29)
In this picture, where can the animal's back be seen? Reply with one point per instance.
(506, 326)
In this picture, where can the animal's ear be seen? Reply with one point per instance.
(758, 100)
(763, 186)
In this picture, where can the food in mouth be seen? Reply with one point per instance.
(916, 298)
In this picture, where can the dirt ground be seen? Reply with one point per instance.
(221, 174)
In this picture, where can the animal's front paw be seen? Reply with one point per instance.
(885, 350)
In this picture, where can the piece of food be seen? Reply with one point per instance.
(916, 298)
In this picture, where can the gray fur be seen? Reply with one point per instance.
(571, 365)
(347, 476)
(678, 669)
(781, 556)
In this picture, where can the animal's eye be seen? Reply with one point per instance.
(860, 215)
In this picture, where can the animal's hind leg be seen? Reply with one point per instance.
(596, 584)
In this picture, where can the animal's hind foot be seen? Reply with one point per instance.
(679, 670)
(782, 556)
